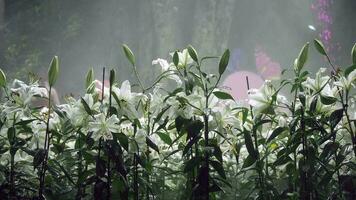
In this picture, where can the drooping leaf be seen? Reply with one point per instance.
(219, 168)
(249, 160)
(320, 47)
(86, 106)
(276, 132)
(224, 61)
(2, 78)
(53, 71)
(165, 137)
(100, 168)
(313, 104)
(194, 128)
(223, 95)
(128, 53)
(193, 53)
(151, 144)
(335, 117)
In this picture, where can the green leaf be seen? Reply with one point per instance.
(224, 61)
(276, 132)
(223, 95)
(219, 168)
(86, 106)
(249, 145)
(335, 117)
(53, 71)
(191, 164)
(175, 58)
(89, 78)
(353, 54)
(11, 135)
(193, 53)
(2, 78)
(320, 47)
(112, 77)
(151, 144)
(349, 70)
(313, 104)
(248, 161)
(194, 127)
(128, 53)
(327, 100)
(302, 58)
(123, 140)
(165, 138)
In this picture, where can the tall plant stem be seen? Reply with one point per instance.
(259, 168)
(12, 162)
(46, 148)
(80, 169)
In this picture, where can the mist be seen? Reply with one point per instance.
(88, 33)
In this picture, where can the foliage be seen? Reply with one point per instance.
(182, 137)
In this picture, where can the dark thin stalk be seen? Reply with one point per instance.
(12, 163)
(80, 169)
(46, 148)
(108, 146)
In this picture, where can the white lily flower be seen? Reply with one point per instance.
(102, 126)
(348, 82)
(165, 67)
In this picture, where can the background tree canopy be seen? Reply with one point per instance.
(86, 33)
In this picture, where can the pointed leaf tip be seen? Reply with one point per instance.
(320, 47)
(2, 78)
(224, 61)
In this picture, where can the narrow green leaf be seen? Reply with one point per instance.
(327, 100)
(123, 140)
(165, 138)
(320, 47)
(193, 53)
(224, 61)
(175, 58)
(249, 145)
(302, 57)
(335, 117)
(2, 78)
(219, 168)
(89, 78)
(348, 70)
(353, 54)
(276, 132)
(11, 135)
(248, 161)
(128, 53)
(223, 95)
(53, 71)
(86, 106)
(151, 144)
